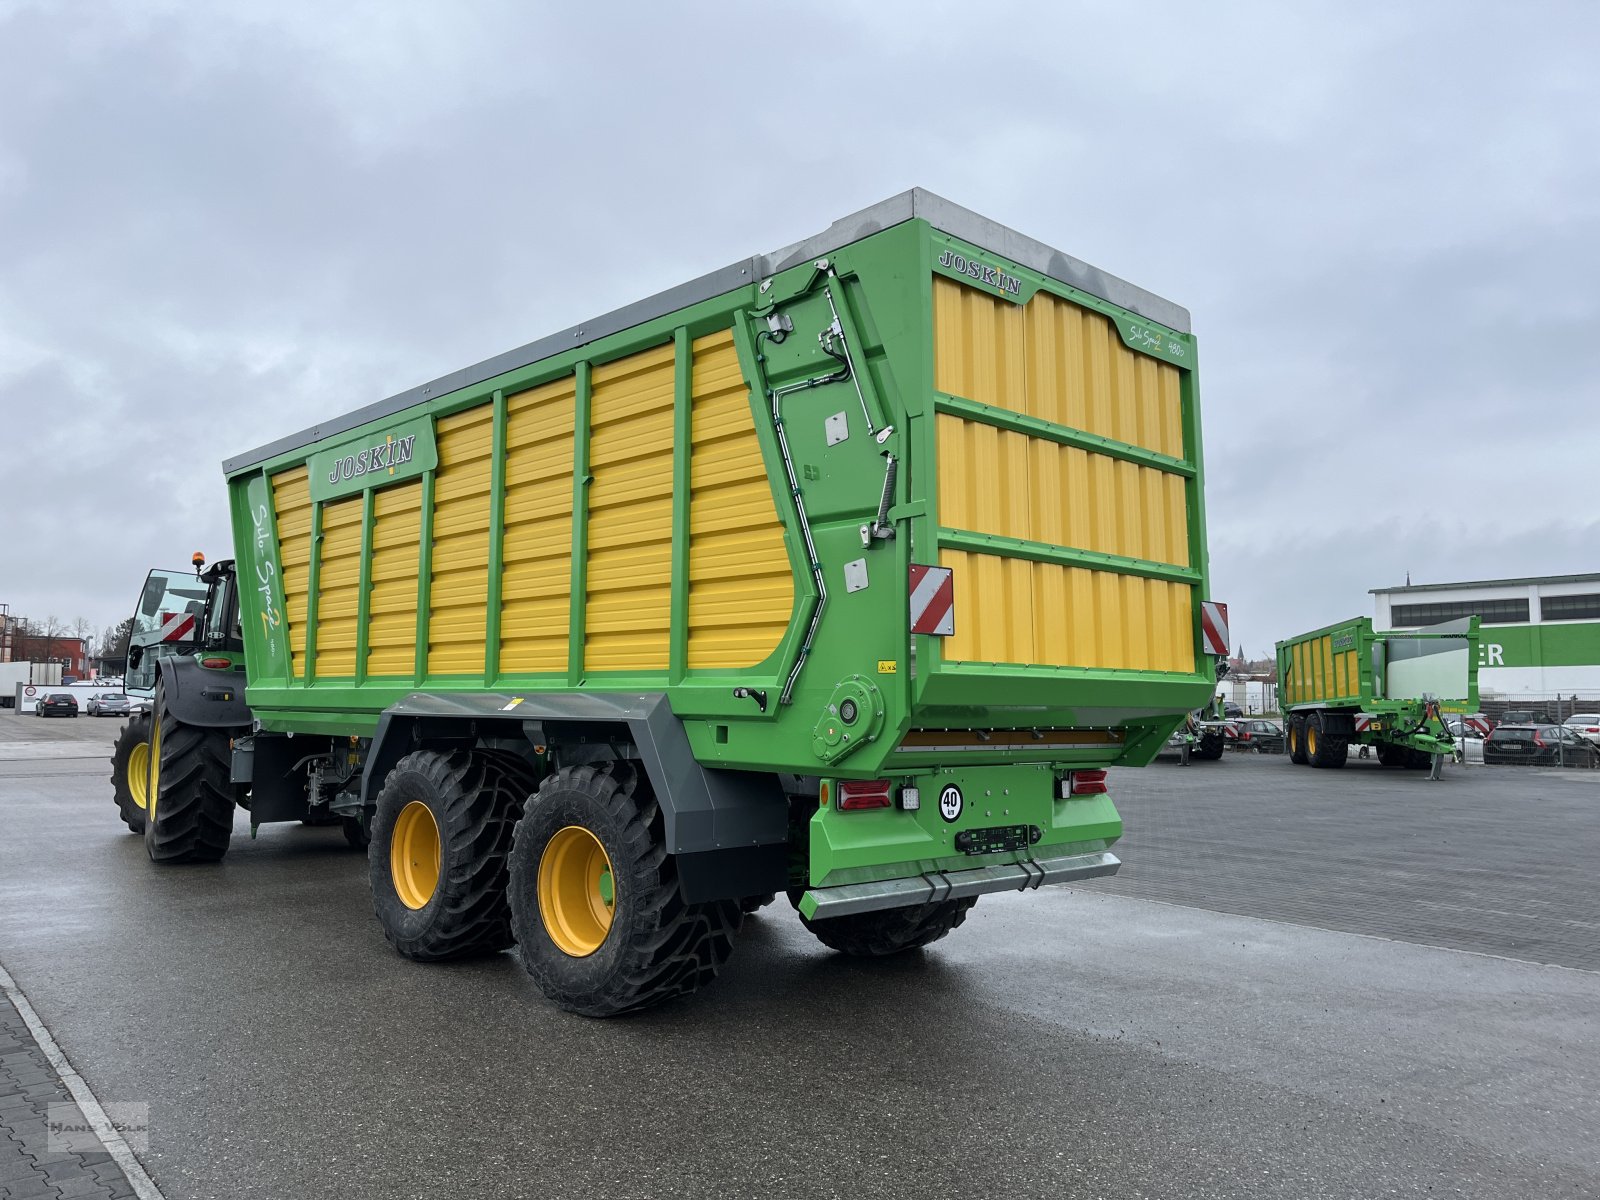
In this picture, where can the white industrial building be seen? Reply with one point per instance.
(1540, 636)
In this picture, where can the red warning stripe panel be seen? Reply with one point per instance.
(1214, 627)
(177, 627)
(933, 600)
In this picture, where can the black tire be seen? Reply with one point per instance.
(752, 904)
(356, 835)
(193, 817)
(135, 733)
(1418, 760)
(1209, 748)
(890, 930)
(656, 944)
(1390, 755)
(1324, 749)
(1295, 737)
(475, 799)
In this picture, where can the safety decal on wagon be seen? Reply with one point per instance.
(933, 600)
(1214, 627)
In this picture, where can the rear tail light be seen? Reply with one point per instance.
(1537, 740)
(216, 664)
(856, 794)
(1088, 783)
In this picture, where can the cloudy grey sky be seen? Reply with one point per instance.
(220, 223)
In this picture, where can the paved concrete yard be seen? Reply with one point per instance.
(1077, 1043)
(1501, 860)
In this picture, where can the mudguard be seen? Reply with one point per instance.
(201, 696)
(729, 829)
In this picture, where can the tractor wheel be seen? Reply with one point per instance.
(1324, 749)
(1418, 760)
(1390, 755)
(752, 904)
(437, 862)
(1295, 734)
(130, 772)
(601, 922)
(189, 812)
(1209, 748)
(890, 930)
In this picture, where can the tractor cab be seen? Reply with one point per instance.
(182, 612)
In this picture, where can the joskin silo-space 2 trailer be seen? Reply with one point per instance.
(1346, 683)
(845, 571)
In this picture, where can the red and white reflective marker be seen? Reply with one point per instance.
(1214, 627)
(933, 600)
(175, 627)
(1478, 724)
(1364, 722)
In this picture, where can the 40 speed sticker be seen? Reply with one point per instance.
(950, 802)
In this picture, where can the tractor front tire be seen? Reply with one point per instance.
(602, 925)
(437, 861)
(890, 930)
(190, 818)
(130, 772)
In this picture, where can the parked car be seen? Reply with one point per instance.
(1264, 737)
(58, 704)
(1545, 745)
(108, 704)
(1232, 710)
(1588, 724)
(1525, 716)
(1473, 725)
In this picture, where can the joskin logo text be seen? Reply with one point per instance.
(376, 460)
(382, 457)
(982, 272)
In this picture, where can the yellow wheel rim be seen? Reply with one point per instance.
(577, 892)
(1311, 742)
(139, 775)
(152, 772)
(414, 855)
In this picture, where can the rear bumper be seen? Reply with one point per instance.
(848, 899)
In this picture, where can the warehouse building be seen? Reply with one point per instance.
(1540, 636)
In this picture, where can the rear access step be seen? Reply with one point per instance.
(851, 898)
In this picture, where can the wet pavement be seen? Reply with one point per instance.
(1078, 1042)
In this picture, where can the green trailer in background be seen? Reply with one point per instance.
(843, 572)
(1347, 683)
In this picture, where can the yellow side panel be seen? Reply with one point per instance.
(741, 587)
(338, 588)
(1053, 360)
(392, 600)
(978, 345)
(1079, 374)
(291, 503)
(457, 608)
(1058, 494)
(536, 587)
(1010, 610)
(629, 596)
